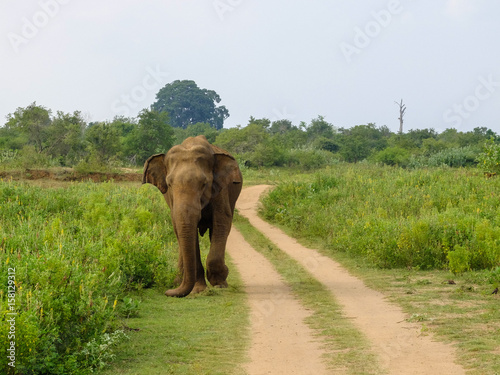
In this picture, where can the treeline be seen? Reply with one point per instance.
(280, 143)
(33, 136)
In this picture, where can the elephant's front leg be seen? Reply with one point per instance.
(200, 284)
(217, 270)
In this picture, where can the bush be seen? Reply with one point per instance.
(489, 158)
(392, 156)
(451, 157)
(307, 159)
(76, 253)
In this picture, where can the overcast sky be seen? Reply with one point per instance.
(348, 61)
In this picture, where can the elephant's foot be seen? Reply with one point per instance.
(218, 279)
(221, 285)
(199, 287)
(181, 291)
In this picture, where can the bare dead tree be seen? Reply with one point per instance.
(402, 110)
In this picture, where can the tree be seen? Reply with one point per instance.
(152, 135)
(187, 104)
(242, 140)
(103, 142)
(281, 126)
(358, 142)
(65, 137)
(200, 128)
(319, 127)
(33, 121)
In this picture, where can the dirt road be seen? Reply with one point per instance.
(283, 344)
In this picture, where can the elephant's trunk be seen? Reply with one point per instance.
(186, 229)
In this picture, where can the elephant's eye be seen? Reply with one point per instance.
(169, 182)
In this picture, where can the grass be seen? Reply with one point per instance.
(345, 346)
(201, 334)
(458, 309)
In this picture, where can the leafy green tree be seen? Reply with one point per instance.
(103, 142)
(66, 137)
(153, 134)
(264, 122)
(323, 143)
(432, 145)
(417, 136)
(242, 140)
(11, 138)
(187, 104)
(200, 128)
(319, 127)
(360, 141)
(33, 121)
(270, 153)
(281, 127)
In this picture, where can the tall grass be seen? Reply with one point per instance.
(425, 218)
(76, 253)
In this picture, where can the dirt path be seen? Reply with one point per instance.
(400, 346)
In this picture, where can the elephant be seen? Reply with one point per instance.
(200, 183)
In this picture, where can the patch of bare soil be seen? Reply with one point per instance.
(401, 347)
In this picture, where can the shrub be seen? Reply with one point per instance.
(76, 253)
(392, 156)
(451, 157)
(489, 158)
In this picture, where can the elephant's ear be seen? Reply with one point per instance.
(155, 172)
(226, 170)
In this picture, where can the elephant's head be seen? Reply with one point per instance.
(196, 179)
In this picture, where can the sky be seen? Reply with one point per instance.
(348, 61)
